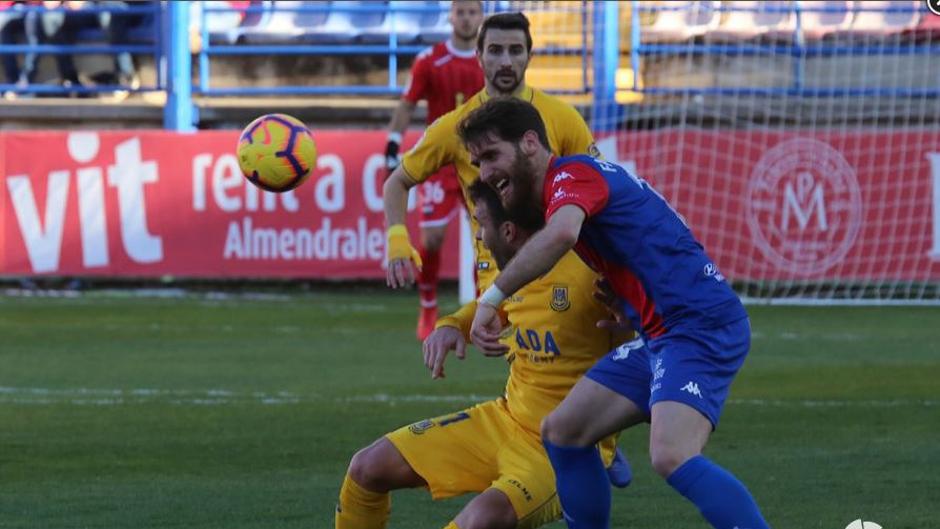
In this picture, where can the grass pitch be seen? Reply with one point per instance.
(121, 411)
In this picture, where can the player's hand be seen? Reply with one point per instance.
(486, 330)
(436, 346)
(392, 159)
(618, 321)
(403, 260)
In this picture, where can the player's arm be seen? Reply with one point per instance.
(460, 320)
(415, 90)
(536, 257)
(433, 151)
(451, 333)
(403, 258)
(396, 128)
(618, 324)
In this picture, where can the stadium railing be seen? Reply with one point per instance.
(391, 29)
(146, 37)
(393, 32)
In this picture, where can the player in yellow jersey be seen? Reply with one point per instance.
(493, 448)
(504, 47)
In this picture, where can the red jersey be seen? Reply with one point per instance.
(445, 76)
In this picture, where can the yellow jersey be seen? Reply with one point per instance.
(554, 339)
(440, 145)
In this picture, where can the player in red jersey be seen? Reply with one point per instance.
(445, 75)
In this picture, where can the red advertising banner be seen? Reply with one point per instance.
(156, 203)
(798, 205)
(821, 205)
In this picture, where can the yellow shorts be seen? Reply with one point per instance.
(478, 448)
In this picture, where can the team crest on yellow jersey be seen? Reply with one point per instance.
(560, 301)
(419, 428)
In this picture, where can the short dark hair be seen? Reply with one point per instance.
(505, 21)
(509, 118)
(481, 193)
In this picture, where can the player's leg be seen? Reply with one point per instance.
(431, 241)
(450, 455)
(491, 509)
(374, 471)
(523, 495)
(610, 397)
(439, 198)
(692, 376)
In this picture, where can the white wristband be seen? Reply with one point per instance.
(493, 296)
(395, 137)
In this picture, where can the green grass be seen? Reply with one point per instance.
(120, 412)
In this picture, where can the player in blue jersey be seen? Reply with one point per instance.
(695, 327)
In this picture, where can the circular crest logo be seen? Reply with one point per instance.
(804, 206)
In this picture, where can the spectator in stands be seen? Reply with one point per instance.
(116, 24)
(16, 21)
(445, 75)
(60, 23)
(61, 26)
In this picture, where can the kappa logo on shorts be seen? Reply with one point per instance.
(560, 301)
(419, 428)
(692, 388)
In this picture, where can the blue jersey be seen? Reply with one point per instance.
(634, 238)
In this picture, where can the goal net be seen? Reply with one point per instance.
(800, 140)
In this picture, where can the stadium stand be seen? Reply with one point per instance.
(413, 21)
(279, 26)
(272, 48)
(96, 34)
(821, 19)
(689, 20)
(748, 20)
(927, 30)
(225, 27)
(876, 18)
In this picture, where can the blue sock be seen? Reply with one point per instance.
(583, 486)
(723, 500)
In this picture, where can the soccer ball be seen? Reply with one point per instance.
(276, 152)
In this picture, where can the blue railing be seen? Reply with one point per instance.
(148, 31)
(326, 38)
(168, 42)
(795, 47)
(345, 45)
(406, 30)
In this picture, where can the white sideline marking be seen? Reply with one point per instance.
(384, 397)
(221, 397)
(882, 403)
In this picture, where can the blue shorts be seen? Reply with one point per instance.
(694, 367)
